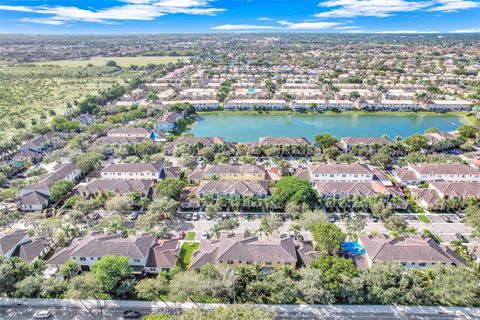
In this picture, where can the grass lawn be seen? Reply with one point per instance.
(35, 92)
(186, 253)
(190, 236)
(121, 61)
(423, 218)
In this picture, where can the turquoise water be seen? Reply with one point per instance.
(353, 247)
(247, 127)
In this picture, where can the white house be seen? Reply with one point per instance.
(255, 104)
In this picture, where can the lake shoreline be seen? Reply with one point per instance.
(245, 126)
(462, 114)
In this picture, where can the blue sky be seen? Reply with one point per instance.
(164, 16)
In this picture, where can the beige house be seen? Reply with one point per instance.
(272, 252)
(412, 252)
(244, 172)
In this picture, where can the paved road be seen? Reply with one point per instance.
(79, 313)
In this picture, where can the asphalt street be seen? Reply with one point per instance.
(78, 313)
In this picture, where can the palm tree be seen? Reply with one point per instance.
(396, 201)
(163, 232)
(143, 203)
(330, 202)
(216, 229)
(257, 270)
(295, 228)
(344, 202)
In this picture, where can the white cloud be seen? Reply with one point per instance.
(308, 25)
(241, 27)
(386, 8)
(375, 8)
(347, 28)
(43, 21)
(470, 30)
(454, 5)
(264, 19)
(131, 10)
(406, 31)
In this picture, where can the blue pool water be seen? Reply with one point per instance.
(353, 247)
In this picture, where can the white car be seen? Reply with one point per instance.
(134, 215)
(205, 235)
(42, 314)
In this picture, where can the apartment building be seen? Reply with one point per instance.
(255, 104)
(135, 171)
(244, 172)
(232, 251)
(144, 253)
(336, 172)
(142, 133)
(97, 187)
(411, 252)
(309, 105)
(420, 173)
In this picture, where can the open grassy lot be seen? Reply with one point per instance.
(36, 92)
(121, 61)
(186, 253)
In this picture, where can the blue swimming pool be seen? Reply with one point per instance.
(353, 247)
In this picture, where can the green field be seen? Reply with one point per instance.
(186, 252)
(121, 61)
(30, 92)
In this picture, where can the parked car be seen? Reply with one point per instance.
(205, 235)
(461, 237)
(131, 314)
(448, 219)
(374, 219)
(188, 216)
(331, 218)
(42, 314)
(95, 216)
(195, 217)
(133, 215)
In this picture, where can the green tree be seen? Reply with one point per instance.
(60, 189)
(325, 141)
(83, 286)
(311, 287)
(69, 269)
(294, 189)
(88, 161)
(468, 131)
(163, 207)
(416, 142)
(333, 269)
(232, 312)
(472, 218)
(159, 316)
(119, 204)
(328, 238)
(456, 286)
(110, 271)
(152, 288)
(270, 223)
(170, 188)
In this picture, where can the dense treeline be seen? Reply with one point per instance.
(328, 279)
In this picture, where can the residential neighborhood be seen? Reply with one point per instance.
(296, 176)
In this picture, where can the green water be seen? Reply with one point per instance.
(248, 127)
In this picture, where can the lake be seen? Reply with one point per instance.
(248, 127)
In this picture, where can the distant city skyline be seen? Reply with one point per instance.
(187, 16)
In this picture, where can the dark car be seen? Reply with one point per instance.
(448, 219)
(331, 218)
(461, 237)
(131, 314)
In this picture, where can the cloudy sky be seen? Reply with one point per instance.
(159, 16)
